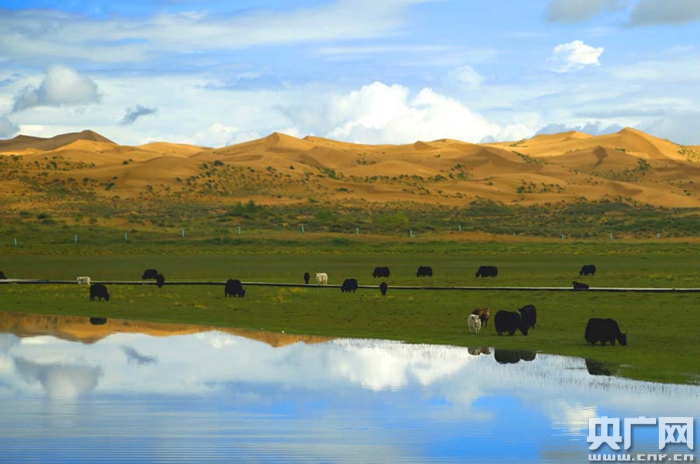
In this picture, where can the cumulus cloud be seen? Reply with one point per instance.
(62, 86)
(568, 11)
(7, 128)
(380, 113)
(132, 114)
(593, 128)
(575, 55)
(468, 76)
(59, 381)
(648, 12)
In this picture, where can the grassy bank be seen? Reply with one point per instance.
(661, 328)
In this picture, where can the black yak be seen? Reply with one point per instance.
(149, 274)
(528, 314)
(487, 271)
(424, 271)
(509, 321)
(349, 285)
(383, 288)
(234, 288)
(381, 272)
(580, 286)
(604, 330)
(587, 269)
(306, 278)
(98, 291)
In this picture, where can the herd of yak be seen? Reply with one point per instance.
(597, 330)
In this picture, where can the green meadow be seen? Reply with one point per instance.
(662, 329)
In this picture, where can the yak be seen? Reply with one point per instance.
(603, 331)
(587, 269)
(234, 288)
(98, 291)
(528, 314)
(149, 274)
(509, 321)
(381, 272)
(424, 271)
(349, 285)
(487, 271)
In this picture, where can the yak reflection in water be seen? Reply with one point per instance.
(169, 391)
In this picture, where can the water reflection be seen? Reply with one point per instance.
(597, 368)
(219, 397)
(98, 320)
(513, 356)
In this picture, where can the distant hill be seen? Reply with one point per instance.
(24, 142)
(280, 169)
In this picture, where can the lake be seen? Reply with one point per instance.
(76, 390)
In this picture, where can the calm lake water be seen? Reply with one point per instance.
(117, 391)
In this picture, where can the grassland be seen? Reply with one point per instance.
(661, 328)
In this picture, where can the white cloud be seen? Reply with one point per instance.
(575, 55)
(7, 128)
(593, 128)
(468, 76)
(62, 86)
(60, 381)
(648, 12)
(47, 34)
(568, 11)
(378, 113)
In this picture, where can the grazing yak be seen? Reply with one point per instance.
(484, 314)
(381, 272)
(580, 286)
(383, 288)
(306, 278)
(528, 314)
(2, 276)
(322, 278)
(474, 323)
(587, 269)
(424, 271)
(160, 280)
(487, 271)
(349, 285)
(84, 280)
(98, 291)
(149, 274)
(98, 320)
(234, 288)
(604, 330)
(509, 321)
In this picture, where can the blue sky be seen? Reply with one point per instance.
(376, 71)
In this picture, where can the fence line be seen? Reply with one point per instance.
(368, 287)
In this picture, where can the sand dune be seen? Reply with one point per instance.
(172, 148)
(74, 328)
(284, 169)
(37, 143)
